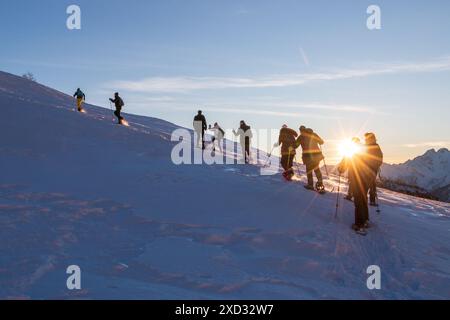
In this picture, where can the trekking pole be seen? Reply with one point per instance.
(376, 191)
(324, 163)
(337, 196)
(269, 156)
(110, 108)
(378, 204)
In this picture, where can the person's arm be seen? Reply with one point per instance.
(112, 100)
(318, 139)
(84, 97)
(298, 142)
(204, 124)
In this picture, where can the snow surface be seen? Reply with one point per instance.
(78, 189)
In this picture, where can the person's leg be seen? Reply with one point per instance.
(247, 150)
(213, 142)
(318, 175)
(199, 136)
(79, 103)
(373, 192)
(309, 173)
(349, 195)
(203, 139)
(284, 161)
(361, 208)
(244, 155)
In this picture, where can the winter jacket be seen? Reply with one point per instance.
(287, 141)
(219, 133)
(79, 95)
(310, 143)
(200, 123)
(360, 174)
(245, 134)
(118, 102)
(374, 156)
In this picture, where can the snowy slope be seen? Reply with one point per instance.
(77, 189)
(430, 171)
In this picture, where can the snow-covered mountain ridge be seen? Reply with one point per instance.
(429, 172)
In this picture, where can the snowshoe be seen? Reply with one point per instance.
(367, 225)
(320, 188)
(309, 187)
(288, 175)
(373, 204)
(359, 230)
(348, 198)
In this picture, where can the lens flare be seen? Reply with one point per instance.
(348, 148)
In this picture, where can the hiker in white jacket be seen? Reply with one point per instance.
(219, 134)
(245, 134)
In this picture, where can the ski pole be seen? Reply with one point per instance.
(337, 196)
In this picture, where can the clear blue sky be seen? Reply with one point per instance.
(268, 62)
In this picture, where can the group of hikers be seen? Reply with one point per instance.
(362, 168)
(244, 133)
(118, 103)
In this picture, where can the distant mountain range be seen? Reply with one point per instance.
(427, 175)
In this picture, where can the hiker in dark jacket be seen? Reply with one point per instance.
(245, 134)
(374, 161)
(118, 102)
(349, 195)
(361, 177)
(311, 156)
(287, 141)
(81, 97)
(200, 127)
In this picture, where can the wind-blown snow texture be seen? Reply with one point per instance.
(77, 189)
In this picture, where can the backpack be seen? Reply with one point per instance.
(222, 131)
(80, 94)
(121, 104)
